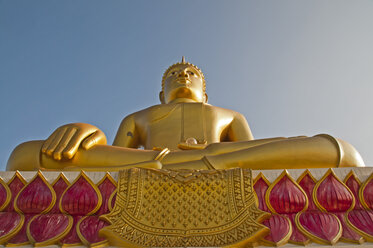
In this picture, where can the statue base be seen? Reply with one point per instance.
(195, 208)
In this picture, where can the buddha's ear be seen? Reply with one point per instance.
(206, 98)
(161, 97)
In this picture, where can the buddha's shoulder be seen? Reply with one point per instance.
(220, 110)
(159, 110)
(152, 112)
(155, 108)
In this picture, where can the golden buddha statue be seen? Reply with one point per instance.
(184, 131)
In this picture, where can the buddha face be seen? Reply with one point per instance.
(183, 82)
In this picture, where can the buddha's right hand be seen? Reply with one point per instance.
(65, 140)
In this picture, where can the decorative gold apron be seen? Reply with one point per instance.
(179, 208)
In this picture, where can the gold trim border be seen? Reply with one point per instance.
(111, 199)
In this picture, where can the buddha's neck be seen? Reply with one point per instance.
(179, 100)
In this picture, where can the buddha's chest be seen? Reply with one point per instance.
(171, 125)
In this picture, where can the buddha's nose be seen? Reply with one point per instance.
(183, 74)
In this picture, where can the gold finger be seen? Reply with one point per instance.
(74, 144)
(90, 140)
(55, 141)
(48, 141)
(63, 143)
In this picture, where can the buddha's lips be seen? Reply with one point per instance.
(183, 81)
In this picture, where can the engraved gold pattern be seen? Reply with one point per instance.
(166, 208)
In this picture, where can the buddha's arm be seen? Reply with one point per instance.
(320, 151)
(127, 135)
(239, 129)
(26, 156)
(59, 148)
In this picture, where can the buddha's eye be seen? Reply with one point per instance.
(191, 73)
(173, 73)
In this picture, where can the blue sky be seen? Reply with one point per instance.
(291, 67)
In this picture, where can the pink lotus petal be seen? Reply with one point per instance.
(362, 219)
(279, 228)
(59, 187)
(322, 225)
(333, 195)
(47, 226)
(89, 228)
(354, 186)
(106, 188)
(368, 194)
(72, 237)
(286, 197)
(347, 232)
(296, 235)
(260, 188)
(21, 236)
(8, 222)
(15, 186)
(307, 185)
(35, 197)
(80, 198)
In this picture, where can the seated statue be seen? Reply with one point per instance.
(183, 132)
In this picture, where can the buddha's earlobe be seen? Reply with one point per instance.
(206, 98)
(161, 97)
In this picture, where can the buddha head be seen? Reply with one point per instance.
(185, 82)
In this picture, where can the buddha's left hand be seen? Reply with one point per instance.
(65, 140)
(188, 146)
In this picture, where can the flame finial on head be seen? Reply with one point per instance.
(183, 60)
